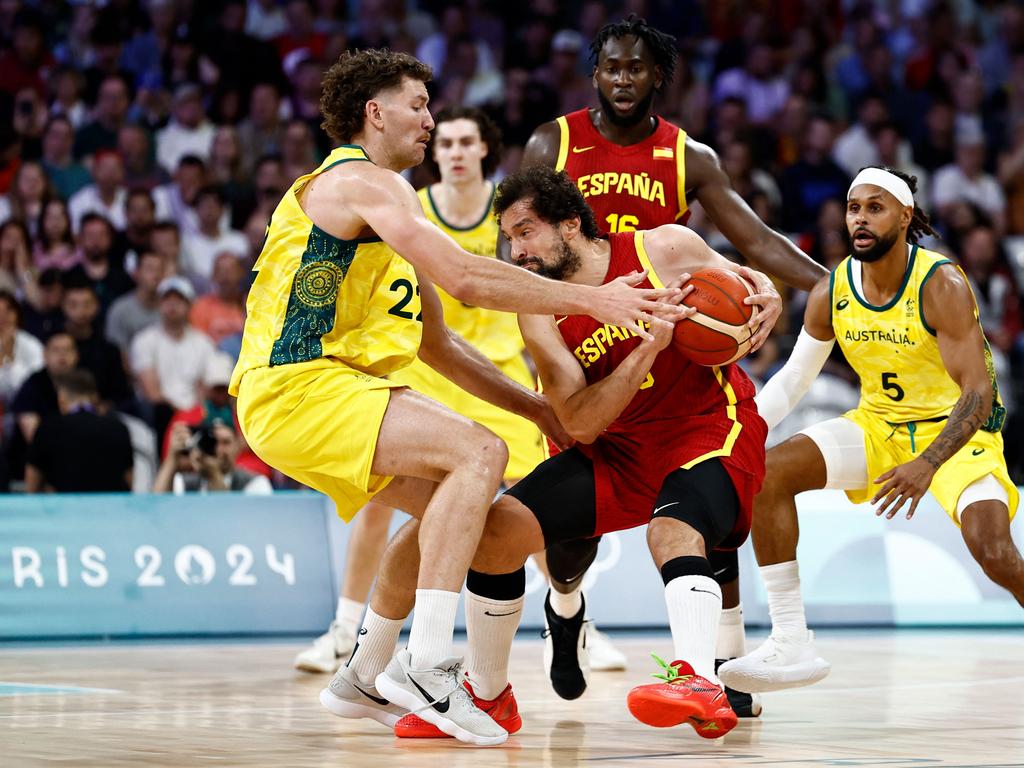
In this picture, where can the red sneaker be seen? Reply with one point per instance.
(683, 697)
(502, 709)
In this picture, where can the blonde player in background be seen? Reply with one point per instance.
(929, 416)
(464, 150)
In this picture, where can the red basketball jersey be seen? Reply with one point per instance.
(682, 414)
(641, 186)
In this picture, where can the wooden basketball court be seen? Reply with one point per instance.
(894, 698)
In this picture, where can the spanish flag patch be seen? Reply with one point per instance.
(666, 153)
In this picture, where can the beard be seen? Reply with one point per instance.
(878, 249)
(641, 110)
(566, 264)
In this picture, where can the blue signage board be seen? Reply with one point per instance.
(134, 565)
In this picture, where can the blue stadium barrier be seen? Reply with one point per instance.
(229, 565)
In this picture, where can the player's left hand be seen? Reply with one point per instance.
(547, 420)
(907, 482)
(768, 303)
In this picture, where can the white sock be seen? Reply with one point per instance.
(694, 605)
(732, 637)
(785, 606)
(375, 645)
(491, 625)
(566, 605)
(347, 614)
(433, 624)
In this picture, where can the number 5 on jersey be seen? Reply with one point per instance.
(890, 387)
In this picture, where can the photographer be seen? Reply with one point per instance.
(203, 459)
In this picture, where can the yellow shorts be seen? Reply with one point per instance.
(887, 446)
(526, 446)
(318, 423)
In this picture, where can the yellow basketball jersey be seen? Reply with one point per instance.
(894, 350)
(496, 334)
(318, 297)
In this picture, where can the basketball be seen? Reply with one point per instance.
(718, 334)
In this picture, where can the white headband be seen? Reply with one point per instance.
(891, 183)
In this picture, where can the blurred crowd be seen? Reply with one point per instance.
(145, 143)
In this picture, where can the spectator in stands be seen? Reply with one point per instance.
(140, 217)
(212, 237)
(65, 173)
(95, 353)
(66, 93)
(757, 83)
(261, 133)
(106, 196)
(222, 313)
(855, 147)
(228, 170)
(298, 151)
(936, 148)
(137, 310)
(210, 453)
(1011, 178)
(20, 352)
(141, 170)
(108, 116)
(300, 15)
(175, 201)
(29, 190)
(100, 264)
(43, 316)
(168, 358)
(813, 179)
(265, 19)
(188, 133)
(37, 397)
(55, 245)
(165, 239)
(892, 150)
(966, 180)
(79, 450)
(15, 256)
(27, 61)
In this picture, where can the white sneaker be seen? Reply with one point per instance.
(438, 696)
(777, 664)
(604, 656)
(328, 652)
(347, 697)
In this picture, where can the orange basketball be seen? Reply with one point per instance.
(718, 334)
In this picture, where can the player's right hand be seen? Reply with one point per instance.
(619, 303)
(663, 325)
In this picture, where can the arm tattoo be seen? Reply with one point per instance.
(964, 421)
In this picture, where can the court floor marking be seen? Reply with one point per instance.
(34, 689)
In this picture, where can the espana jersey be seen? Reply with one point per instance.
(640, 186)
(894, 350)
(318, 297)
(495, 334)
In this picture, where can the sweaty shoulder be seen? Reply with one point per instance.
(947, 299)
(338, 201)
(671, 241)
(542, 148)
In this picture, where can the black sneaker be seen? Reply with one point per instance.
(743, 704)
(565, 652)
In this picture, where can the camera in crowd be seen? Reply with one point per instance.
(203, 439)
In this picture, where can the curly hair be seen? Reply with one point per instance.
(490, 135)
(358, 77)
(920, 223)
(662, 46)
(552, 194)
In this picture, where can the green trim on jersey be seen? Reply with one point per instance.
(920, 293)
(899, 293)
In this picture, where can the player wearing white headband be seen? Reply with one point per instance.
(929, 416)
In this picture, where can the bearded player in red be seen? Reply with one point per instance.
(638, 171)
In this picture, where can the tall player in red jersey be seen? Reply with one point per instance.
(639, 171)
(661, 442)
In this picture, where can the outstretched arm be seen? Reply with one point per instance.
(455, 359)
(389, 206)
(760, 245)
(786, 388)
(948, 305)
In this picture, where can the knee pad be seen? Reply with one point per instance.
(569, 560)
